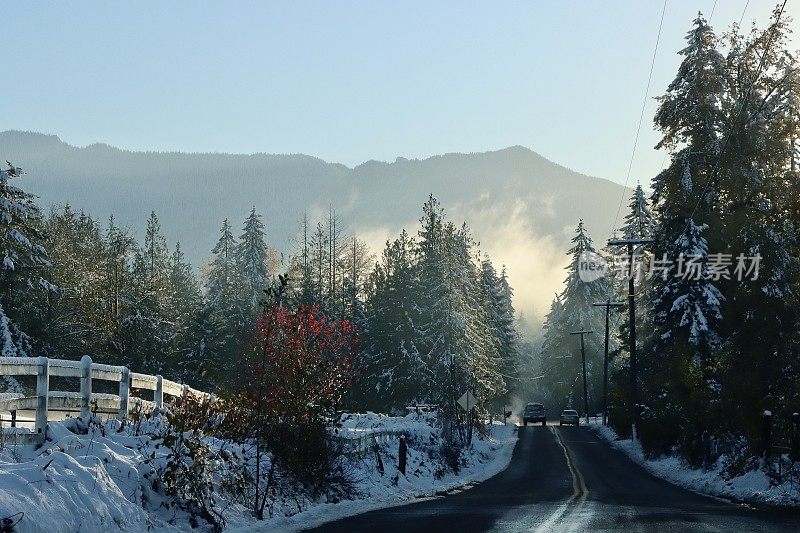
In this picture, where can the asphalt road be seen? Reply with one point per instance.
(567, 479)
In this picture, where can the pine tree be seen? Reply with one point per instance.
(227, 306)
(117, 281)
(147, 329)
(395, 373)
(74, 322)
(638, 223)
(504, 336)
(756, 180)
(681, 334)
(222, 284)
(572, 311)
(455, 339)
(25, 261)
(256, 262)
(182, 307)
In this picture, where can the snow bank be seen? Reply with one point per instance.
(425, 476)
(73, 483)
(104, 480)
(754, 486)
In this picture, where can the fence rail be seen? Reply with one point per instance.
(355, 445)
(85, 401)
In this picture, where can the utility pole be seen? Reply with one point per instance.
(630, 242)
(585, 388)
(608, 304)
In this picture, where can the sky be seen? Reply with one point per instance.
(352, 81)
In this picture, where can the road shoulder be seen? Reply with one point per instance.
(753, 488)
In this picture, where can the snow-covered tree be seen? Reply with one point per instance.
(255, 260)
(685, 198)
(147, 329)
(572, 311)
(395, 373)
(500, 312)
(224, 297)
(24, 261)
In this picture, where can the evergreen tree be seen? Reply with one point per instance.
(182, 308)
(147, 329)
(25, 261)
(573, 311)
(256, 261)
(455, 340)
(396, 374)
(74, 321)
(117, 282)
(504, 336)
(681, 335)
(756, 179)
(639, 223)
(224, 293)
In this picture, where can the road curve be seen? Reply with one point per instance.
(567, 479)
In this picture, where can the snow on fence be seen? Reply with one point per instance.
(361, 443)
(85, 401)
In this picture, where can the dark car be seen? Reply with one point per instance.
(569, 416)
(534, 412)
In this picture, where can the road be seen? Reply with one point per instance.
(567, 479)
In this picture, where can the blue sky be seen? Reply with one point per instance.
(351, 81)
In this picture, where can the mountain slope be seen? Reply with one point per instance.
(522, 206)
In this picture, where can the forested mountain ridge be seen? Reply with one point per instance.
(97, 176)
(519, 204)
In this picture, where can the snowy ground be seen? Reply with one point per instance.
(102, 481)
(425, 477)
(753, 487)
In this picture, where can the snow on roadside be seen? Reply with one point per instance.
(753, 487)
(101, 482)
(64, 487)
(425, 475)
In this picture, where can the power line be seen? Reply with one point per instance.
(641, 116)
(747, 3)
(741, 107)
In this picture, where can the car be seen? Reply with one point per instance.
(569, 416)
(534, 412)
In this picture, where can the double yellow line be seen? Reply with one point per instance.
(579, 490)
(556, 521)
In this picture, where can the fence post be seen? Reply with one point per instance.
(86, 386)
(124, 393)
(42, 390)
(158, 395)
(401, 456)
(766, 433)
(377, 449)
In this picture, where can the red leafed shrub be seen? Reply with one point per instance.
(294, 378)
(302, 364)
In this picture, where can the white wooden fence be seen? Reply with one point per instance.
(85, 401)
(359, 445)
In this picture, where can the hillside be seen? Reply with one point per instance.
(520, 205)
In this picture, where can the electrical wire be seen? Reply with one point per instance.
(747, 3)
(641, 117)
(741, 108)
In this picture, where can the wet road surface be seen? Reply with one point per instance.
(568, 479)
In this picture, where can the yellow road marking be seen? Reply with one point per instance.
(579, 491)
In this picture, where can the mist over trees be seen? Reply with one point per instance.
(434, 317)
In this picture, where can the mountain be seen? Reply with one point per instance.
(520, 205)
